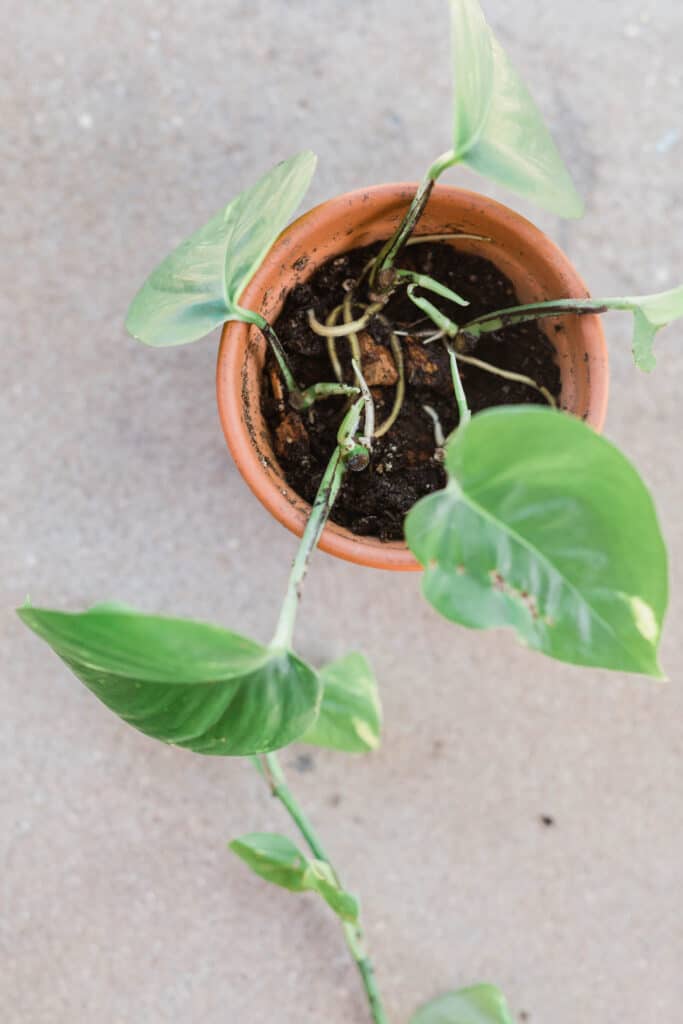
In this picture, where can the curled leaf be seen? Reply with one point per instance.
(279, 861)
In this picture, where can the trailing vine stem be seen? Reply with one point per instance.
(353, 933)
(349, 453)
(320, 510)
(490, 322)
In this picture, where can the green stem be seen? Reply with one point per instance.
(536, 311)
(320, 510)
(443, 322)
(391, 248)
(442, 163)
(293, 389)
(430, 285)
(280, 789)
(460, 397)
(352, 933)
(345, 455)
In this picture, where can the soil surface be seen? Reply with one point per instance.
(405, 462)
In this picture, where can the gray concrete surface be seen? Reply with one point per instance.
(124, 126)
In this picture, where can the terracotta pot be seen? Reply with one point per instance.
(535, 265)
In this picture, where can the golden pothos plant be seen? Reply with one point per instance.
(543, 525)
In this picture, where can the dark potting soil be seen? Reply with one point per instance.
(404, 464)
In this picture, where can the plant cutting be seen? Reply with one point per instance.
(409, 388)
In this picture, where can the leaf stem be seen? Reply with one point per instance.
(353, 934)
(268, 331)
(386, 257)
(460, 397)
(536, 311)
(275, 777)
(429, 284)
(347, 454)
(320, 510)
(444, 323)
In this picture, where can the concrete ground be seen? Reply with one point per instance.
(124, 127)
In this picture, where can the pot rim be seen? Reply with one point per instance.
(262, 473)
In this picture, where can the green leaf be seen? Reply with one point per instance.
(350, 716)
(183, 682)
(473, 73)
(544, 526)
(498, 130)
(198, 286)
(276, 859)
(480, 1004)
(651, 312)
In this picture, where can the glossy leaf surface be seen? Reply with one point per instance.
(498, 130)
(198, 286)
(184, 682)
(350, 716)
(479, 1004)
(545, 527)
(278, 860)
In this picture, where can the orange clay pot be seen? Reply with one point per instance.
(534, 264)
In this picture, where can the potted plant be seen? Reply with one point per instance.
(358, 344)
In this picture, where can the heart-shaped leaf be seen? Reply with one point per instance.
(350, 716)
(498, 130)
(278, 860)
(198, 286)
(480, 1004)
(183, 682)
(546, 527)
